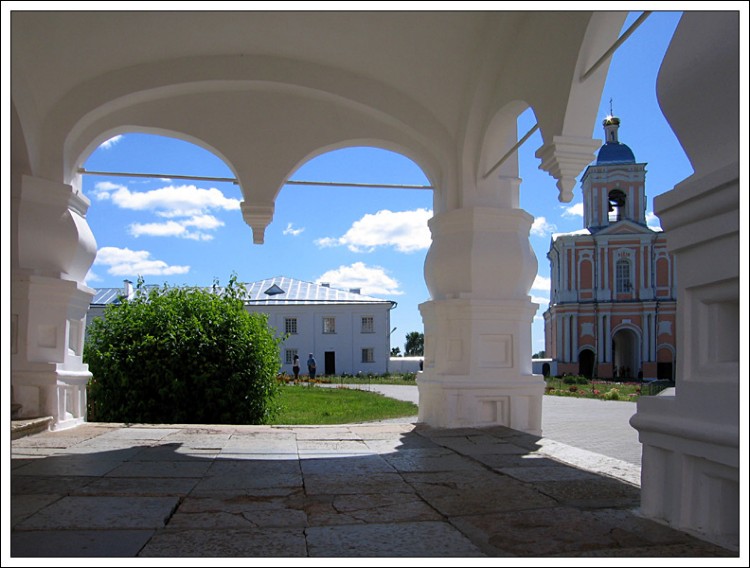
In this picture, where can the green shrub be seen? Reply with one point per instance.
(612, 394)
(182, 355)
(575, 380)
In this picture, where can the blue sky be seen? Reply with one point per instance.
(192, 232)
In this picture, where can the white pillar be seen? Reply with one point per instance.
(477, 367)
(49, 301)
(645, 335)
(566, 339)
(690, 467)
(574, 338)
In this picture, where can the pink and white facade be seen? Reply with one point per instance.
(612, 299)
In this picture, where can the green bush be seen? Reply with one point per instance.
(612, 394)
(182, 355)
(575, 380)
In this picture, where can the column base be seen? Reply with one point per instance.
(456, 402)
(689, 471)
(46, 390)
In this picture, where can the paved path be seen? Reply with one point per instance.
(597, 426)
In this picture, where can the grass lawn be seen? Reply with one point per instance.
(389, 379)
(320, 405)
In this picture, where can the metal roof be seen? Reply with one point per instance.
(276, 291)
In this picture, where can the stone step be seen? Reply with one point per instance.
(29, 426)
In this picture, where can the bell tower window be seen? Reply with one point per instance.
(617, 200)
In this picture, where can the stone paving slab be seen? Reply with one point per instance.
(381, 490)
(423, 539)
(227, 543)
(23, 506)
(168, 469)
(139, 486)
(78, 543)
(87, 466)
(102, 512)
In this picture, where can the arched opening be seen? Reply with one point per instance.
(617, 200)
(165, 229)
(371, 236)
(546, 370)
(586, 361)
(665, 367)
(625, 354)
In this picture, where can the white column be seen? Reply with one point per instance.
(559, 351)
(566, 339)
(49, 301)
(645, 335)
(477, 325)
(690, 467)
(574, 338)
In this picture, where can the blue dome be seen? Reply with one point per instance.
(615, 153)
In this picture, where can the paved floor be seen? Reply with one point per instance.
(357, 490)
(606, 429)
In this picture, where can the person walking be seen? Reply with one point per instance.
(295, 367)
(311, 368)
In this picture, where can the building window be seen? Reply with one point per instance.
(368, 324)
(289, 356)
(290, 326)
(329, 325)
(368, 355)
(622, 276)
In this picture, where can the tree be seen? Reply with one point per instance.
(414, 344)
(395, 352)
(182, 355)
(538, 355)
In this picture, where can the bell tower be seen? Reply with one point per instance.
(614, 188)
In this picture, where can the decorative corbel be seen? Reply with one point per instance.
(564, 158)
(258, 217)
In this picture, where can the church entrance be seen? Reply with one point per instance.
(625, 354)
(586, 361)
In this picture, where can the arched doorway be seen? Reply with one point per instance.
(586, 360)
(665, 364)
(626, 354)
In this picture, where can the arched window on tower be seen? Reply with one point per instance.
(617, 201)
(622, 276)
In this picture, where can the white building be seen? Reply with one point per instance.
(268, 91)
(347, 332)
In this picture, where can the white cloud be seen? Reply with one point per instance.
(541, 228)
(575, 210)
(91, 276)
(290, 230)
(106, 145)
(540, 300)
(541, 283)
(372, 280)
(406, 231)
(133, 263)
(169, 201)
(185, 206)
(178, 228)
(653, 221)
